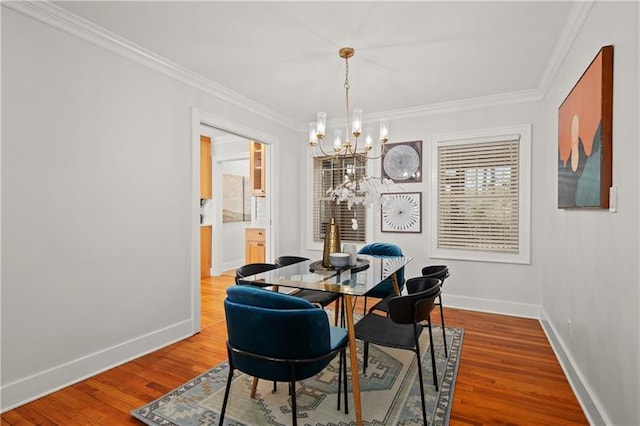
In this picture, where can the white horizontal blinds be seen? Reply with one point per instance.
(328, 173)
(478, 187)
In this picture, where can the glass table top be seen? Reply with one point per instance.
(368, 272)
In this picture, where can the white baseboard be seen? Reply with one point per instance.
(590, 405)
(227, 266)
(491, 306)
(43, 383)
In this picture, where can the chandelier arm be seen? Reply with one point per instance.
(338, 155)
(325, 154)
(379, 154)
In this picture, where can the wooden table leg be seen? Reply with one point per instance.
(394, 282)
(355, 374)
(254, 387)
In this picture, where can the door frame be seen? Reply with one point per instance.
(198, 118)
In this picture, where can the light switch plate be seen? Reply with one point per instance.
(613, 199)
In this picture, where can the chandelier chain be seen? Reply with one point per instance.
(347, 86)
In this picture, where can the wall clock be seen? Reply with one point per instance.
(401, 212)
(402, 161)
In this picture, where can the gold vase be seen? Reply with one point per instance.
(331, 241)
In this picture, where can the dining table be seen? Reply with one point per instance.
(349, 281)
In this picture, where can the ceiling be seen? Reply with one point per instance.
(285, 54)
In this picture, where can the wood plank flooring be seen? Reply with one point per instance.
(508, 375)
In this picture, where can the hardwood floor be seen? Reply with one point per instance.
(508, 374)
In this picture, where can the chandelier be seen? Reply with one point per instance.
(347, 148)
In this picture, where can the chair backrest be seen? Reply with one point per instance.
(440, 272)
(381, 249)
(278, 326)
(289, 260)
(418, 303)
(252, 269)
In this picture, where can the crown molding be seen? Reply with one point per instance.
(61, 19)
(521, 96)
(572, 27)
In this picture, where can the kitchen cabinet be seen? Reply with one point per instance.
(205, 251)
(205, 167)
(255, 241)
(257, 160)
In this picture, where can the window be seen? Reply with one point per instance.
(481, 190)
(327, 173)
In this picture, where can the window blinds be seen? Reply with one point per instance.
(478, 187)
(328, 173)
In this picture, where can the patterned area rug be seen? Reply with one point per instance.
(390, 393)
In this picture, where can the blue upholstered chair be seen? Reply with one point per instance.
(279, 337)
(402, 329)
(384, 290)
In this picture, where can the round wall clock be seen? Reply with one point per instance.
(401, 212)
(402, 161)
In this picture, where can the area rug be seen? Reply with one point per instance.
(390, 393)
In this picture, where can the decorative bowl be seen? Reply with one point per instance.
(339, 260)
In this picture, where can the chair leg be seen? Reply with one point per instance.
(294, 409)
(444, 333)
(344, 371)
(433, 356)
(226, 395)
(339, 380)
(419, 360)
(365, 359)
(342, 380)
(254, 388)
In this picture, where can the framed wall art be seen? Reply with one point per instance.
(401, 212)
(236, 198)
(584, 137)
(402, 161)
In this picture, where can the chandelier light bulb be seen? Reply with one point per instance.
(384, 130)
(357, 122)
(313, 133)
(368, 139)
(322, 125)
(337, 140)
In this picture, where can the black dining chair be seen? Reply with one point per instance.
(317, 297)
(253, 269)
(440, 272)
(402, 329)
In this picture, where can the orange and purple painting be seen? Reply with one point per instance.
(584, 137)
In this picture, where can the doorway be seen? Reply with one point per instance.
(222, 128)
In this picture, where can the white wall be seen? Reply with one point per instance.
(93, 143)
(590, 257)
(495, 287)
